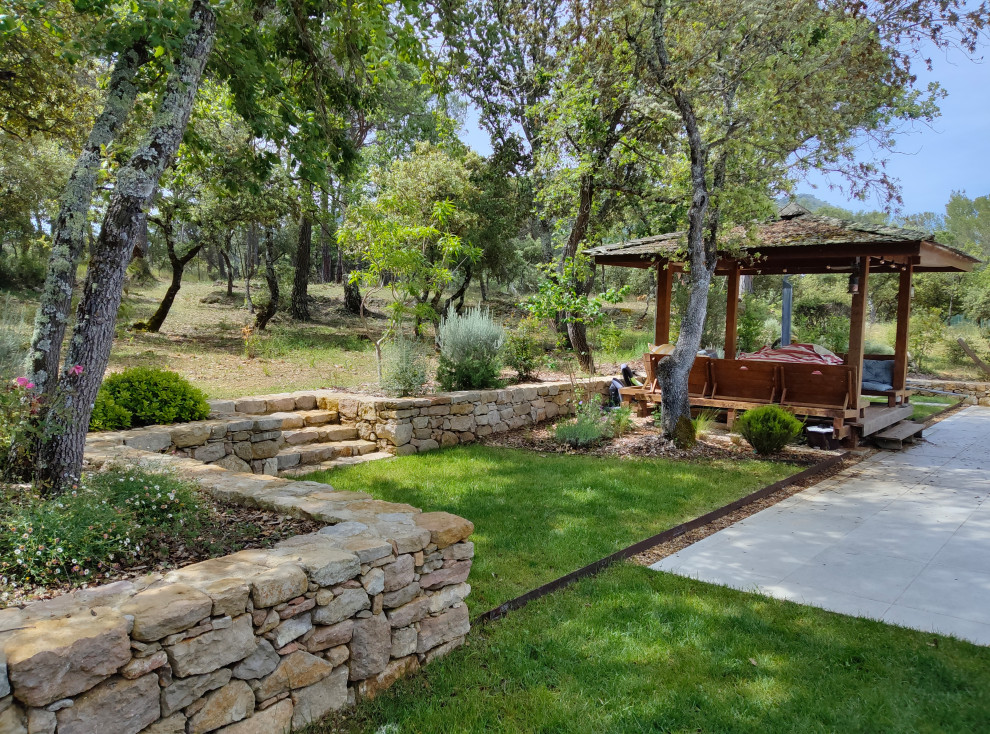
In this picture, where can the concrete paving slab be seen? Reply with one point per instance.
(903, 537)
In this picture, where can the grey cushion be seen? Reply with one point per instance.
(877, 386)
(878, 371)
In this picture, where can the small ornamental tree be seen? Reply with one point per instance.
(560, 295)
(408, 258)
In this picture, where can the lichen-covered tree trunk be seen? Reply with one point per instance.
(68, 413)
(70, 229)
(299, 303)
(266, 312)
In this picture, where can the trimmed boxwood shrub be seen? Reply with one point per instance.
(768, 428)
(145, 396)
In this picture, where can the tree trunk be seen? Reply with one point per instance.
(299, 304)
(67, 416)
(250, 248)
(577, 332)
(326, 258)
(352, 297)
(69, 232)
(458, 295)
(178, 266)
(267, 311)
(225, 259)
(484, 290)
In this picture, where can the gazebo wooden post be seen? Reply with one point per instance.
(857, 328)
(731, 311)
(665, 283)
(903, 322)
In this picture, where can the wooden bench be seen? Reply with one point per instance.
(739, 384)
(699, 383)
(819, 390)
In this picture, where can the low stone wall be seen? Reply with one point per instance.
(271, 434)
(972, 393)
(255, 642)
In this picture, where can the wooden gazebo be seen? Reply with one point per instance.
(799, 242)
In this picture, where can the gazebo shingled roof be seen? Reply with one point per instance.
(800, 241)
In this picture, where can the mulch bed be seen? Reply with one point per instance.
(644, 441)
(226, 529)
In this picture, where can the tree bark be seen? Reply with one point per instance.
(675, 369)
(267, 311)
(69, 232)
(225, 259)
(326, 258)
(178, 266)
(352, 297)
(577, 331)
(299, 304)
(67, 415)
(250, 248)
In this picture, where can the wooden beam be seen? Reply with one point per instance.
(665, 284)
(857, 328)
(731, 312)
(903, 322)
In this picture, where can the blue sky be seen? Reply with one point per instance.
(930, 162)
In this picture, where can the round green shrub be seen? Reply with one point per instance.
(107, 415)
(768, 429)
(151, 396)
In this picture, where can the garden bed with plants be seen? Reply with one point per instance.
(119, 524)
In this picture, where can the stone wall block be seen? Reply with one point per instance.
(435, 631)
(371, 644)
(278, 585)
(183, 691)
(57, 658)
(233, 702)
(314, 702)
(297, 670)
(214, 649)
(163, 611)
(116, 706)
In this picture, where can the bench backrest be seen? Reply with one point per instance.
(827, 385)
(744, 379)
(700, 378)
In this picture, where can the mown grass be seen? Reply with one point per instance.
(924, 405)
(633, 650)
(538, 517)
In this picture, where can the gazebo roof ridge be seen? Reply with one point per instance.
(803, 233)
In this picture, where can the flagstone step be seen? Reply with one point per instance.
(316, 453)
(335, 463)
(319, 434)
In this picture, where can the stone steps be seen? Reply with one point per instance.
(316, 453)
(335, 463)
(319, 434)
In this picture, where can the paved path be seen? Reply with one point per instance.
(902, 536)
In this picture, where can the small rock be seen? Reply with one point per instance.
(396, 669)
(298, 670)
(456, 573)
(403, 642)
(374, 581)
(213, 649)
(399, 574)
(291, 629)
(402, 596)
(346, 604)
(323, 637)
(40, 721)
(142, 666)
(174, 724)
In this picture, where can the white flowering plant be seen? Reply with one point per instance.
(91, 532)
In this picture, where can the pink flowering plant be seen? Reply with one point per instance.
(20, 430)
(110, 520)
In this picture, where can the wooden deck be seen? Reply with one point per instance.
(877, 417)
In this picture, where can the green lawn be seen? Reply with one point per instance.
(632, 650)
(924, 405)
(540, 516)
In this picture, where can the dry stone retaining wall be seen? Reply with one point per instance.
(273, 434)
(255, 642)
(972, 393)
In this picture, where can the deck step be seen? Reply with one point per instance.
(877, 417)
(895, 437)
